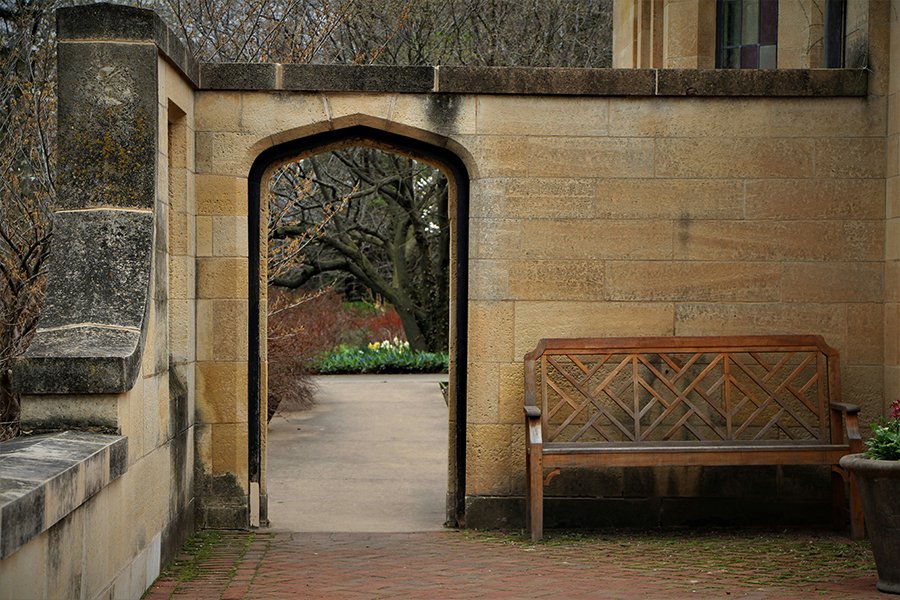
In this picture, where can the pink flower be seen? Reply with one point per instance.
(895, 409)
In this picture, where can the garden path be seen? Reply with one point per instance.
(371, 456)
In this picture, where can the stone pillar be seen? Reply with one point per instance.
(90, 336)
(892, 219)
(689, 34)
(801, 25)
(637, 34)
(100, 356)
(624, 34)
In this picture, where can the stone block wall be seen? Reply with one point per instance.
(114, 350)
(675, 217)
(599, 214)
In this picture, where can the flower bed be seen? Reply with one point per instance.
(388, 356)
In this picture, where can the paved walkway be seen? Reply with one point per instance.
(370, 456)
(451, 564)
(318, 486)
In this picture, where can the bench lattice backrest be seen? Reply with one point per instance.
(683, 389)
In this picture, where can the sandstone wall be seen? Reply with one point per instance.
(115, 351)
(600, 203)
(598, 216)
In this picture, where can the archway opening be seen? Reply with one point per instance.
(456, 209)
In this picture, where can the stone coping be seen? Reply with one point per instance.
(46, 477)
(534, 81)
(104, 22)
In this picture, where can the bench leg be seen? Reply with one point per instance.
(838, 497)
(534, 494)
(857, 521)
(841, 481)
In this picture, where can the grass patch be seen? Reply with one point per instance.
(194, 561)
(197, 548)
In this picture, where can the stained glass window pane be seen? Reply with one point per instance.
(750, 29)
(747, 32)
(732, 24)
(732, 58)
(768, 21)
(835, 24)
(749, 57)
(768, 58)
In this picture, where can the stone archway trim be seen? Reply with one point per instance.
(458, 173)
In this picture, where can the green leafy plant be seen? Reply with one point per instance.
(388, 356)
(885, 441)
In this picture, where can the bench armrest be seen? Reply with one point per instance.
(843, 407)
(843, 416)
(532, 412)
(533, 429)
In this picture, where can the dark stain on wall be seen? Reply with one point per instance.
(443, 110)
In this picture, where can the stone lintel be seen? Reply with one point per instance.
(763, 83)
(534, 81)
(45, 478)
(238, 76)
(316, 78)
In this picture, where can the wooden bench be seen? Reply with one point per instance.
(662, 401)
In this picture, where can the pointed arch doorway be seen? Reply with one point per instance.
(458, 178)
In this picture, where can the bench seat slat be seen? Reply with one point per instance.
(661, 456)
(686, 446)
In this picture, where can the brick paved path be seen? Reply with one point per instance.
(451, 564)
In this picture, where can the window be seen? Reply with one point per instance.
(835, 30)
(747, 34)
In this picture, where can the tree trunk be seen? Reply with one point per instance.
(417, 339)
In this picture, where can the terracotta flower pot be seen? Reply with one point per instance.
(879, 490)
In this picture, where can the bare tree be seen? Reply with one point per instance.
(27, 134)
(539, 33)
(377, 217)
(535, 33)
(285, 31)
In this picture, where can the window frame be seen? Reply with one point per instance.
(722, 48)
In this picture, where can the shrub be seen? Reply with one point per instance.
(381, 357)
(885, 441)
(303, 325)
(362, 321)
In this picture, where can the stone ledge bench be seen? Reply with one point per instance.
(685, 401)
(46, 477)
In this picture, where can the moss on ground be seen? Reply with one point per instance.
(702, 558)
